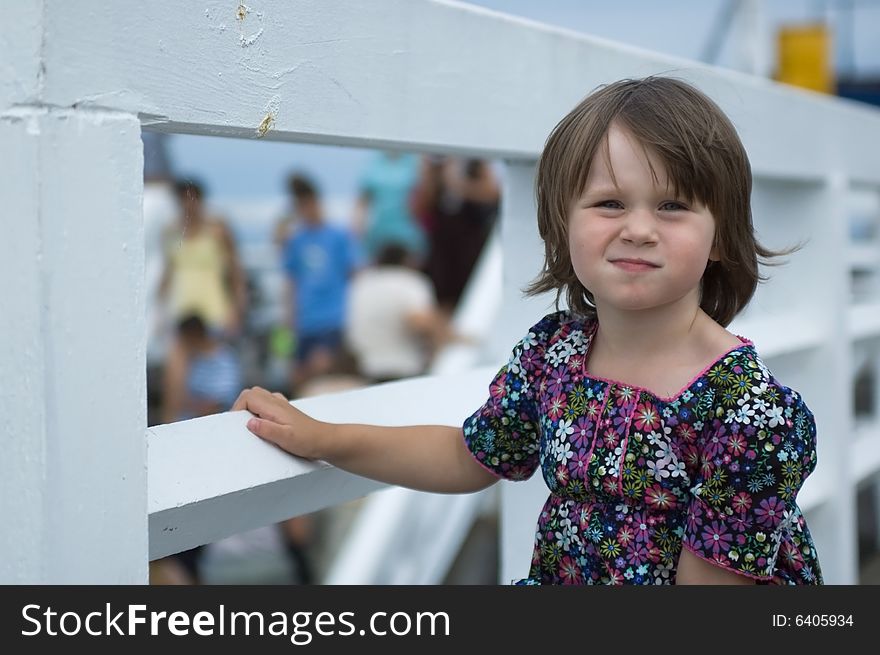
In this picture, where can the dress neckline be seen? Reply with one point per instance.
(591, 333)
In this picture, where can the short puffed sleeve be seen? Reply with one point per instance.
(756, 449)
(504, 434)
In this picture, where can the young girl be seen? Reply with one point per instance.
(672, 454)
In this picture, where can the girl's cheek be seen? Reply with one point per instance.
(581, 240)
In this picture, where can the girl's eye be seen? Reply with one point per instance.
(672, 206)
(609, 204)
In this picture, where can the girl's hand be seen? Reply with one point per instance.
(276, 420)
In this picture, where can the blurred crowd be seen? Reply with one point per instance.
(366, 299)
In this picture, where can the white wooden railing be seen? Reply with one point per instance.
(81, 499)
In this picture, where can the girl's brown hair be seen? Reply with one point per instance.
(704, 161)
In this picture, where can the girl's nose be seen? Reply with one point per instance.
(639, 227)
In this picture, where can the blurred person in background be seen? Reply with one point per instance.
(457, 201)
(288, 223)
(393, 325)
(383, 213)
(202, 373)
(203, 275)
(318, 259)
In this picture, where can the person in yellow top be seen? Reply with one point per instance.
(203, 276)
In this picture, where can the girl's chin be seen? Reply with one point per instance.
(631, 304)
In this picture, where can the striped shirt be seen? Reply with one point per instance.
(215, 376)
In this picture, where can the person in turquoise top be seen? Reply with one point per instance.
(671, 453)
(384, 216)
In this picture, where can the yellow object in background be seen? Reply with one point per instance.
(804, 57)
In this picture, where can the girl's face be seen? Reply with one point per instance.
(634, 245)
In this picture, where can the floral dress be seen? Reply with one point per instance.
(634, 478)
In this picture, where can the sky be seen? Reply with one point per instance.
(241, 171)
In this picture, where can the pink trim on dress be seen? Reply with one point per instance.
(598, 426)
(629, 424)
(635, 387)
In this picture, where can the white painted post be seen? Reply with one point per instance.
(829, 381)
(73, 493)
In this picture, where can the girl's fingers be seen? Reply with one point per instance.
(280, 396)
(268, 430)
(242, 400)
(260, 402)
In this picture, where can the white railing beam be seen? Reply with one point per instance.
(437, 75)
(210, 478)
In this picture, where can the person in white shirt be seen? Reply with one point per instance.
(393, 325)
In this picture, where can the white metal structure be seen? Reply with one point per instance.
(79, 80)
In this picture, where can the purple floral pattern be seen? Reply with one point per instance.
(635, 478)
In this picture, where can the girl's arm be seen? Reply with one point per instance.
(424, 457)
(695, 570)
